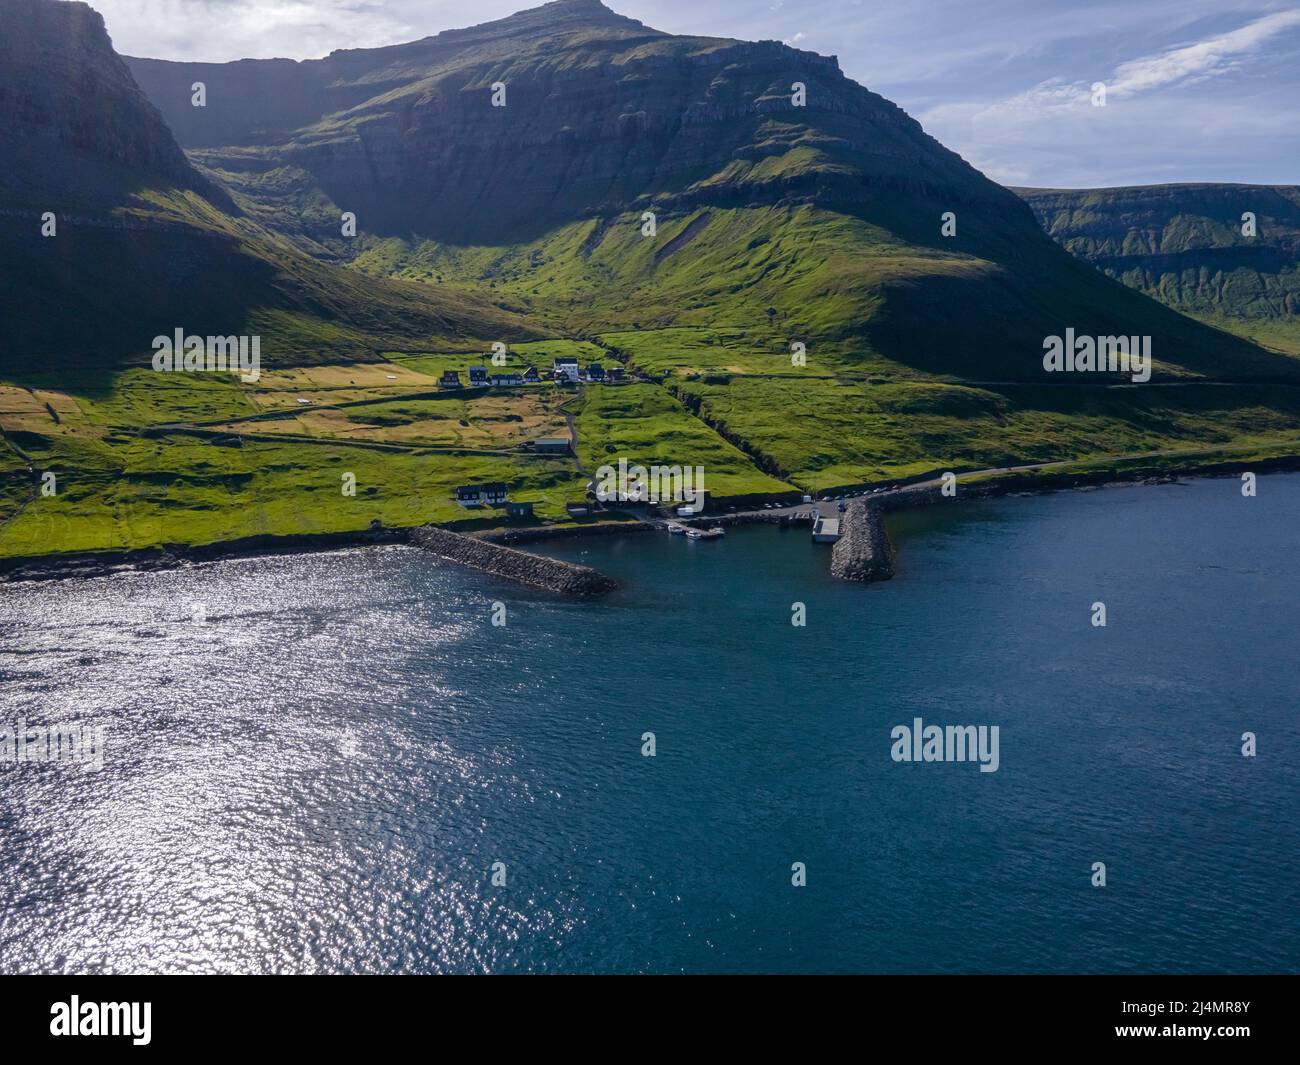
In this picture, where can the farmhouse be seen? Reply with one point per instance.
(495, 493)
(520, 509)
(595, 372)
(531, 376)
(478, 375)
(449, 379)
(506, 380)
(492, 494)
(566, 368)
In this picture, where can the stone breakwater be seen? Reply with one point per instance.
(863, 551)
(543, 533)
(564, 578)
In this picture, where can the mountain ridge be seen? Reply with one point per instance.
(1185, 244)
(605, 119)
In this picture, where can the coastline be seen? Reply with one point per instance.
(87, 564)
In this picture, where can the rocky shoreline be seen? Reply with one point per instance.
(171, 556)
(176, 556)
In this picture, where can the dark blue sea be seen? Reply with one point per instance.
(322, 775)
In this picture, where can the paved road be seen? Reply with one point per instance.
(830, 507)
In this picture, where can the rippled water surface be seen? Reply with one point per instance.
(320, 776)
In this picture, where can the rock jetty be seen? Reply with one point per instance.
(863, 551)
(564, 578)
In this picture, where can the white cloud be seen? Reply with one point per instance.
(222, 30)
(1051, 134)
(1190, 63)
(1203, 59)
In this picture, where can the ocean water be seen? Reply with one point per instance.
(322, 775)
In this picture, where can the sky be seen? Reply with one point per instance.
(1196, 90)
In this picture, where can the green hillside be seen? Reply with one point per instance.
(796, 319)
(1193, 248)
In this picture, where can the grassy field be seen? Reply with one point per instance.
(178, 489)
(131, 473)
(187, 459)
(144, 459)
(828, 434)
(499, 419)
(1281, 335)
(646, 425)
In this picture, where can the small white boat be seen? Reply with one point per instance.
(705, 534)
(675, 528)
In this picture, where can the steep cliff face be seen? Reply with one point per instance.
(72, 115)
(263, 101)
(111, 237)
(1189, 246)
(601, 114)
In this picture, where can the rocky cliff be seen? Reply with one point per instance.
(142, 243)
(600, 113)
(1213, 250)
(72, 114)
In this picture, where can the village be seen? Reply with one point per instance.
(566, 370)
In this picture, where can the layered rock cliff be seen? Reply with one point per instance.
(600, 113)
(1231, 250)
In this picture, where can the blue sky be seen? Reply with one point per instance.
(1197, 90)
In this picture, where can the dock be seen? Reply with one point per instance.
(826, 530)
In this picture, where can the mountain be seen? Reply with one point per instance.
(1190, 247)
(821, 220)
(805, 290)
(143, 244)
